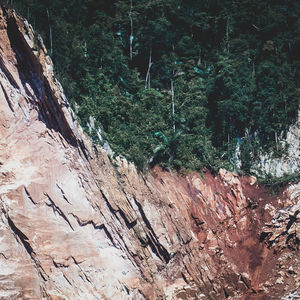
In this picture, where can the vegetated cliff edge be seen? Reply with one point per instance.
(287, 164)
(74, 225)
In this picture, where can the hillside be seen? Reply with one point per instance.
(178, 83)
(76, 224)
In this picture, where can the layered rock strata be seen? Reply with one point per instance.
(76, 224)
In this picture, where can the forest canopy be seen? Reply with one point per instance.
(181, 83)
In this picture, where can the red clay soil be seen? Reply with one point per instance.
(237, 232)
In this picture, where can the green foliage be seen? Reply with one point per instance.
(234, 66)
(249, 149)
(275, 184)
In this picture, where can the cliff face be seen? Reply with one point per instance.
(75, 225)
(288, 163)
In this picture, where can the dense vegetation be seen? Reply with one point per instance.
(275, 184)
(177, 82)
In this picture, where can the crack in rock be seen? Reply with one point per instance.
(58, 210)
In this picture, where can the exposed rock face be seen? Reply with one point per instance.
(288, 163)
(75, 225)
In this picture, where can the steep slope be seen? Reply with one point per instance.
(76, 225)
(288, 163)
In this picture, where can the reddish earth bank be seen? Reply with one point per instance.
(76, 224)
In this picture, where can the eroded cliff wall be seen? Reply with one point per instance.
(75, 225)
(289, 163)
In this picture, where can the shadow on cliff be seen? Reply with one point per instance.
(31, 74)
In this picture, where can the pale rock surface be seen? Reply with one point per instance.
(290, 162)
(74, 225)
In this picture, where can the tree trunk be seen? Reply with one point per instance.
(85, 49)
(173, 104)
(131, 31)
(147, 80)
(50, 31)
(228, 141)
(227, 34)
